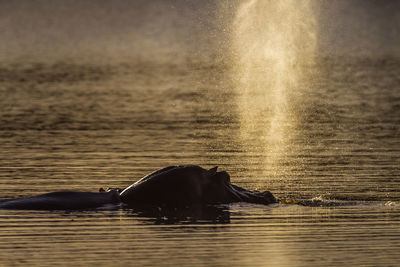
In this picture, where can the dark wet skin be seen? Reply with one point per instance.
(188, 185)
(64, 200)
(174, 186)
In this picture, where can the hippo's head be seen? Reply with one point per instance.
(212, 175)
(112, 193)
(217, 187)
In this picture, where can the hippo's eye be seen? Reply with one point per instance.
(227, 179)
(226, 176)
(221, 177)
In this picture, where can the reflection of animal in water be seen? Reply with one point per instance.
(174, 186)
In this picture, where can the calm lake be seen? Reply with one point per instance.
(329, 149)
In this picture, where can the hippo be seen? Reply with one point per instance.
(173, 186)
(63, 200)
(189, 185)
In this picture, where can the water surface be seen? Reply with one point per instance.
(81, 127)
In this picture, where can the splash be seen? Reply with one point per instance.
(272, 42)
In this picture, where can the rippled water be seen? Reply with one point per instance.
(82, 127)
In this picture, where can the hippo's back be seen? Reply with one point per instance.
(174, 186)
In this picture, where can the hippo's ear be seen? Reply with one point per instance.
(212, 171)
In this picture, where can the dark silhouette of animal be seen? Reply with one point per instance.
(173, 186)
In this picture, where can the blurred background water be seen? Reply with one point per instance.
(97, 94)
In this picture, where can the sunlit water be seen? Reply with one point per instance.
(81, 127)
(273, 45)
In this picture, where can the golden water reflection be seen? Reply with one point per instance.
(272, 41)
(256, 236)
